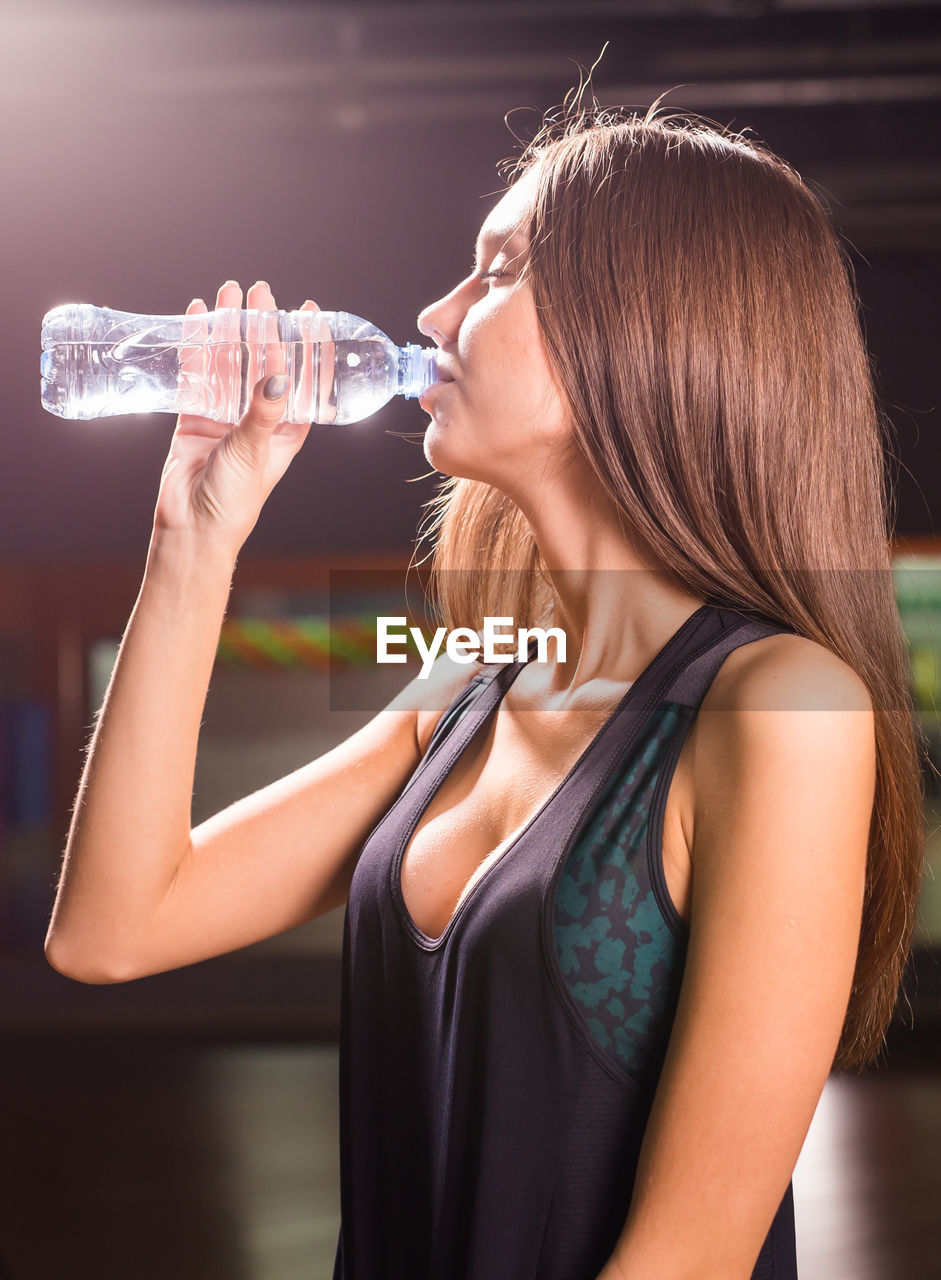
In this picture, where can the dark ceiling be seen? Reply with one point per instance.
(348, 152)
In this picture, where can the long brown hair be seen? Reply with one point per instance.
(700, 315)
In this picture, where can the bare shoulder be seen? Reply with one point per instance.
(783, 714)
(786, 672)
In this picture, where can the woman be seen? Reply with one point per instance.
(611, 921)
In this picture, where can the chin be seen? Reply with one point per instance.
(449, 461)
(436, 449)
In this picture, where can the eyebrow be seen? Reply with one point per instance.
(506, 237)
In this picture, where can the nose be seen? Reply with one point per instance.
(441, 321)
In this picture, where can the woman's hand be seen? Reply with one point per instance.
(218, 475)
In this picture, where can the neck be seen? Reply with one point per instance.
(616, 607)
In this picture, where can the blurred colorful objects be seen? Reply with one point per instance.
(306, 642)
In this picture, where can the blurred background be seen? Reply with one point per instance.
(185, 1124)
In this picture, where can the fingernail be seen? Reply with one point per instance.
(275, 387)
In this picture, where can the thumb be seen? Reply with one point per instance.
(265, 411)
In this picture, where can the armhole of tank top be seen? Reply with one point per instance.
(654, 839)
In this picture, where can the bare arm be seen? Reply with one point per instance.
(140, 892)
(782, 813)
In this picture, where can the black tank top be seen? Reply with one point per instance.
(495, 1082)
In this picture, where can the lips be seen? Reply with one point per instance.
(435, 386)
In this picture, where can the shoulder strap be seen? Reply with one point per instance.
(728, 629)
(461, 703)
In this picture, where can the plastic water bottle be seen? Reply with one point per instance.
(97, 362)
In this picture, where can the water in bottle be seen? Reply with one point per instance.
(97, 362)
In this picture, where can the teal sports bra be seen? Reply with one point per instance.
(620, 942)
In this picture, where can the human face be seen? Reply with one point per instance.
(501, 417)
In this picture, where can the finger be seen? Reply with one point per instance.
(270, 351)
(266, 354)
(195, 333)
(225, 353)
(192, 359)
(256, 302)
(259, 296)
(262, 416)
(229, 295)
(277, 359)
